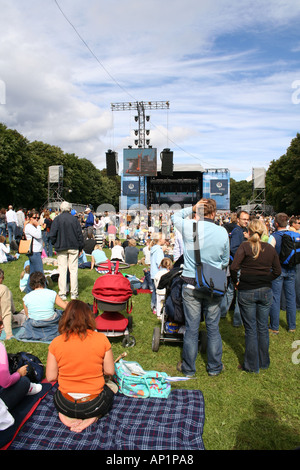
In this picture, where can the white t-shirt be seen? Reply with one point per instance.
(117, 252)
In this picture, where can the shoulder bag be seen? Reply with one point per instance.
(209, 279)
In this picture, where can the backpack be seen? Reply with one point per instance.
(112, 288)
(290, 249)
(35, 369)
(133, 381)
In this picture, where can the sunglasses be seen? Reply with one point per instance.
(37, 218)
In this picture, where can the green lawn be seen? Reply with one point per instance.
(242, 411)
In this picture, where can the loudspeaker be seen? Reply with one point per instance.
(112, 164)
(166, 157)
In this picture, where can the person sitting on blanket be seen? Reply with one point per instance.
(78, 359)
(39, 307)
(14, 387)
(98, 256)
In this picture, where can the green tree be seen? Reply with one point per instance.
(283, 180)
(20, 179)
(240, 193)
(24, 168)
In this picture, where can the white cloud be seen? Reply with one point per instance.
(230, 102)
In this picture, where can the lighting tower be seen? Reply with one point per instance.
(141, 118)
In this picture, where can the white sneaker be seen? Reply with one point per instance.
(34, 389)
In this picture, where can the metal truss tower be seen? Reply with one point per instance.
(141, 118)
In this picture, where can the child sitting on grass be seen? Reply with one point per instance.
(24, 277)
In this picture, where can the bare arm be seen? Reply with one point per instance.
(60, 302)
(51, 368)
(108, 363)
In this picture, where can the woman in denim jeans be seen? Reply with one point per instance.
(255, 265)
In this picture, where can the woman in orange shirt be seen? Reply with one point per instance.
(78, 360)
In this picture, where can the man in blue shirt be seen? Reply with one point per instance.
(214, 247)
(285, 281)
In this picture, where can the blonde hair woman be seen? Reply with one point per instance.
(98, 256)
(254, 267)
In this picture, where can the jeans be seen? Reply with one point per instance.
(3, 230)
(297, 282)
(285, 281)
(11, 228)
(99, 406)
(226, 302)
(255, 306)
(195, 302)
(36, 264)
(147, 282)
(14, 394)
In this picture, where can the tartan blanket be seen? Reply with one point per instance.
(175, 423)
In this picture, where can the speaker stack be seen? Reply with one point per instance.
(112, 164)
(166, 157)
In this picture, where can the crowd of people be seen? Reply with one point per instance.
(247, 246)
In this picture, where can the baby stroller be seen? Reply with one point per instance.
(112, 293)
(172, 317)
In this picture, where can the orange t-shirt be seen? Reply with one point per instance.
(80, 362)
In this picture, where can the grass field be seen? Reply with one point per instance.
(242, 411)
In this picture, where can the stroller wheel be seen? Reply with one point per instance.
(156, 339)
(128, 341)
(202, 341)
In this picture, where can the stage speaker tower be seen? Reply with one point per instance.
(112, 164)
(166, 157)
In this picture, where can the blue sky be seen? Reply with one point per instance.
(230, 70)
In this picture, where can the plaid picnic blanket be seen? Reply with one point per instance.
(175, 423)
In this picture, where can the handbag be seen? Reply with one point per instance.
(25, 246)
(209, 279)
(133, 381)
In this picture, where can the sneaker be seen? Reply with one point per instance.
(34, 389)
(214, 374)
(74, 297)
(154, 311)
(63, 297)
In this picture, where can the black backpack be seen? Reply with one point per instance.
(290, 249)
(35, 369)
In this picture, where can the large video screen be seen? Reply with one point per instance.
(140, 162)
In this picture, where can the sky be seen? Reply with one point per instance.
(230, 71)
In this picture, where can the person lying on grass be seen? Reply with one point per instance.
(78, 359)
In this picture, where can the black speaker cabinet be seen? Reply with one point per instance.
(112, 165)
(166, 162)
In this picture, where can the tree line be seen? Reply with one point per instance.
(24, 168)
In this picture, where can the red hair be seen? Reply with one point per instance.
(77, 319)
